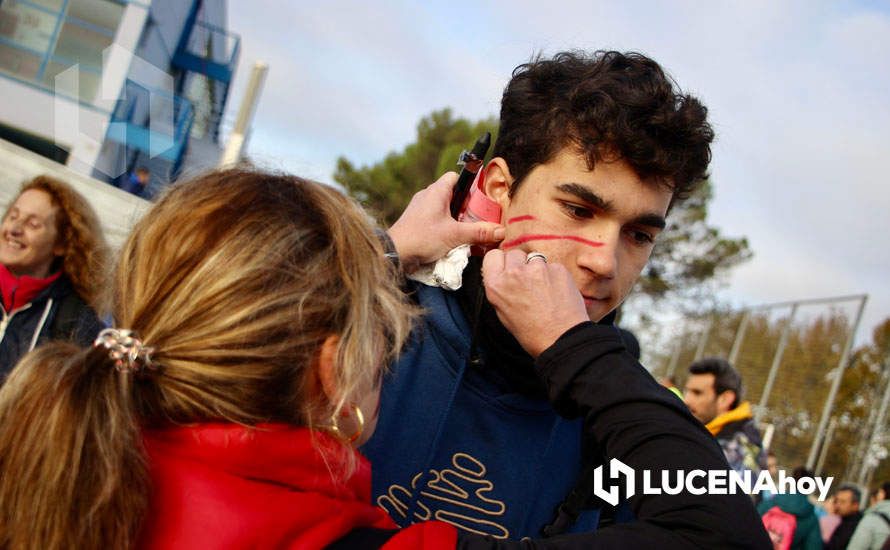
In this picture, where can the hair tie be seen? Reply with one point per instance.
(125, 349)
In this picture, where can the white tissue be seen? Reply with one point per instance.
(446, 272)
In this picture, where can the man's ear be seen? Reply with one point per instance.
(498, 182)
(327, 366)
(724, 401)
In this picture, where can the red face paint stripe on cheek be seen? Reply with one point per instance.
(524, 218)
(522, 239)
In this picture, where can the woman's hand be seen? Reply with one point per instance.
(426, 231)
(536, 301)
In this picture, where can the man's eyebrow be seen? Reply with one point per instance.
(650, 220)
(585, 194)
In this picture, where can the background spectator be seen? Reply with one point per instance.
(874, 528)
(772, 464)
(52, 263)
(806, 534)
(828, 521)
(670, 382)
(137, 182)
(846, 504)
(714, 395)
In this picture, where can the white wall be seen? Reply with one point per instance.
(118, 210)
(35, 110)
(78, 127)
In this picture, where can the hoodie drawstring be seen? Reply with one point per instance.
(46, 310)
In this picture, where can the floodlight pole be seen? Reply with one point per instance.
(703, 340)
(238, 138)
(862, 442)
(739, 336)
(859, 450)
(832, 426)
(878, 427)
(675, 357)
(835, 386)
(774, 368)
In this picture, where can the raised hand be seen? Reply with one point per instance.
(426, 231)
(535, 300)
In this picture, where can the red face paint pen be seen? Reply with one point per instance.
(471, 163)
(518, 219)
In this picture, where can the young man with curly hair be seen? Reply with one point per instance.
(498, 431)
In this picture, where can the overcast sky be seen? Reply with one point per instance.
(798, 92)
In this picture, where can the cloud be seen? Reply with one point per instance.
(797, 92)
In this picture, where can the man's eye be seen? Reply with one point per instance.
(576, 211)
(641, 237)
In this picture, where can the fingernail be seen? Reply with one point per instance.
(500, 233)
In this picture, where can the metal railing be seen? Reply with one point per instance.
(210, 50)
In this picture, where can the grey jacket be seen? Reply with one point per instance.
(873, 530)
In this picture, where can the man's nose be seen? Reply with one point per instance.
(602, 259)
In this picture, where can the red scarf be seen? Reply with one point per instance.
(227, 486)
(18, 291)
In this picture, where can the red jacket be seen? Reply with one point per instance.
(227, 486)
(18, 291)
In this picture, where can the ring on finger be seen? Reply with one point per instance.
(535, 256)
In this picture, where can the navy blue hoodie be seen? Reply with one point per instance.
(495, 447)
(459, 444)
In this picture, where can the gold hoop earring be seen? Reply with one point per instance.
(359, 417)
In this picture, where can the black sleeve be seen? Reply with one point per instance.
(366, 538)
(589, 374)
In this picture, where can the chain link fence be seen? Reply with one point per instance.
(793, 359)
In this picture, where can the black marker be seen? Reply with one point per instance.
(471, 163)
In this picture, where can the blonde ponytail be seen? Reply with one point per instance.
(73, 469)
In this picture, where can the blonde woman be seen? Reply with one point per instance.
(52, 265)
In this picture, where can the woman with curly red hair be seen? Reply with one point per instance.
(52, 262)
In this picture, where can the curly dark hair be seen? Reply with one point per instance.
(610, 106)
